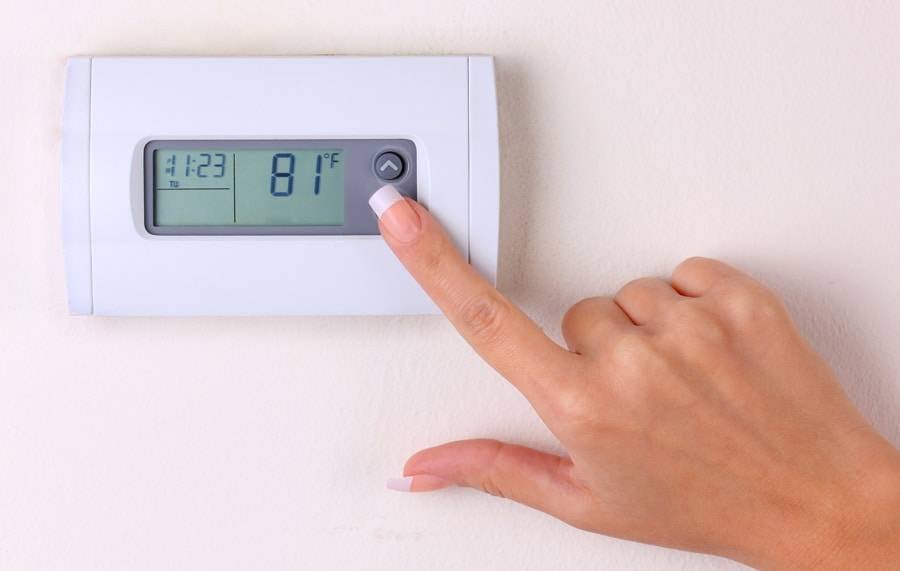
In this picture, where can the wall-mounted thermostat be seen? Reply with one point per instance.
(239, 186)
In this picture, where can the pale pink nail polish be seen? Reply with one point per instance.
(400, 484)
(396, 215)
(418, 483)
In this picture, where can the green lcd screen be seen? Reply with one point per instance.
(248, 187)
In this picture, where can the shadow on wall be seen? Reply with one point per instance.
(517, 174)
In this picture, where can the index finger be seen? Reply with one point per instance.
(498, 330)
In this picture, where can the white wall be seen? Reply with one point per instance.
(633, 135)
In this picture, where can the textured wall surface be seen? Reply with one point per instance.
(634, 134)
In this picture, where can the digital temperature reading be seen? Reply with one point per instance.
(248, 187)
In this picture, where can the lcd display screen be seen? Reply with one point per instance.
(248, 187)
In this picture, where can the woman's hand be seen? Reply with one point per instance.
(693, 413)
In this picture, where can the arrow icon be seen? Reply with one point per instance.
(388, 164)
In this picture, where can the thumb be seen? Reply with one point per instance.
(537, 479)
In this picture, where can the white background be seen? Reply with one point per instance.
(633, 135)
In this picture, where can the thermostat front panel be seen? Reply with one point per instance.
(238, 186)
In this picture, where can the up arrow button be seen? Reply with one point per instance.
(389, 166)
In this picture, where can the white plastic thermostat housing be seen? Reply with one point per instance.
(115, 107)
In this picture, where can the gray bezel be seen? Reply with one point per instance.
(360, 181)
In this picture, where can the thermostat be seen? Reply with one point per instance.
(239, 186)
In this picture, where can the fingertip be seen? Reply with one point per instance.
(399, 484)
(429, 470)
(418, 483)
(418, 462)
(398, 218)
(428, 483)
(450, 460)
(383, 199)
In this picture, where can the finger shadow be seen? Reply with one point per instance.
(517, 149)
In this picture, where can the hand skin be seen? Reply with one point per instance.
(693, 413)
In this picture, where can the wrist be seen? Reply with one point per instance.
(850, 524)
(868, 536)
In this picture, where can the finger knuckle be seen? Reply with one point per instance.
(484, 316)
(633, 286)
(630, 352)
(577, 311)
(750, 306)
(638, 365)
(692, 264)
(492, 479)
(491, 487)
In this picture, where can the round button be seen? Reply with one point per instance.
(388, 166)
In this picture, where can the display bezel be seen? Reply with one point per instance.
(360, 181)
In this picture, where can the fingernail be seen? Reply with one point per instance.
(418, 483)
(396, 215)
